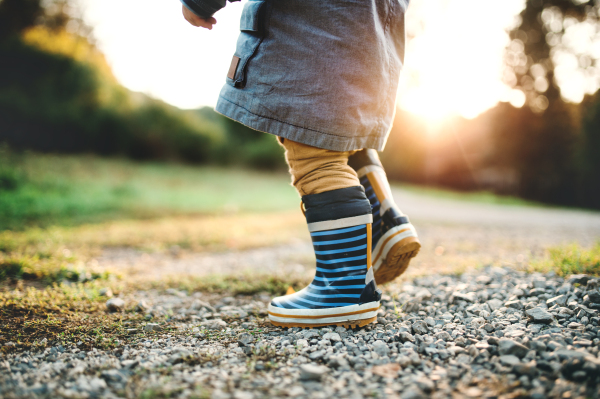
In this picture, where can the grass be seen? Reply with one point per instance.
(43, 190)
(570, 259)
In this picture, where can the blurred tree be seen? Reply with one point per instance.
(587, 155)
(530, 57)
(16, 16)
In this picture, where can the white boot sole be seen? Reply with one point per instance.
(394, 251)
(346, 316)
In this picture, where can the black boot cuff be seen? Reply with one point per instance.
(336, 204)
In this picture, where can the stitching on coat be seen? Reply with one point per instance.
(277, 120)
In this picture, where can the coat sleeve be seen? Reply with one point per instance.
(205, 8)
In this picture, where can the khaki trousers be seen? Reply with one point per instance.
(315, 170)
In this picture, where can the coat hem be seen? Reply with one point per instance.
(304, 135)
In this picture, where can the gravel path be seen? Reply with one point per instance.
(496, 333)
(492, 332)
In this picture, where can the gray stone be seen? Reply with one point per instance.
(107, 292)
(469, 297)
(419, 327)
(509, 360)
(539, 283)
(516, 304)
(245, 339)
(494, 304)
(216, 324)
(560, 300)
(115, 305)
(593, 296)
(142, 306)
(510, 347)
(333, 337)
(381, 348)
(539, 315)
(152, 327)
(405, 337)
(580, 279)
(423, 295)
(312, 372)
(317, 355)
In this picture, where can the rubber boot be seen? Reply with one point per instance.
(343, 291)
(395, 240)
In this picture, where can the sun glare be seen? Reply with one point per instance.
(453, 62)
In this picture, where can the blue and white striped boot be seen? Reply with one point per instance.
(395, 240)
(344, 291)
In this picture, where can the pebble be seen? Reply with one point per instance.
(152, 327)
(115, 305)
(535, 334)
(312, 372)
(539, 315)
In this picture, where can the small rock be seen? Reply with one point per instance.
(423, 295)
(494, 304)
(142, 306)
(560, 300)
(593, 296)
(516, 304)
(539, 283)
(152, 327)
(216, 324)
(381, 348)
(575, 326)
(510, 347)
(509, 360)
(405, 337)
(333, 337)
(539, 315)
(389, 370)
(311, 372)
(469, 297)
(419, 327)
(245, 339)
(107, 292)
(115, 305)
(580, 279)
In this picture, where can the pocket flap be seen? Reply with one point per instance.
(250, 21)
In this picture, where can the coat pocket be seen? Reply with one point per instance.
(252, 32)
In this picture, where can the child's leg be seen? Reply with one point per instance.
(339, 219)
(395, 240)
(316, 170)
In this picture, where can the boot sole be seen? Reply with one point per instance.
(393, 253)
(347, 316)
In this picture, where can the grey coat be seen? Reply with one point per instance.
(323, 73)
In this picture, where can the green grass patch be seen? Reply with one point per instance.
(571, 259)
(43, 190)
(241, 284)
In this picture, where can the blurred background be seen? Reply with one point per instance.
(106, 109)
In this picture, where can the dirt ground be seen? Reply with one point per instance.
(456, 236)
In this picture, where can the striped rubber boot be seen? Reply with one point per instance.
(343, 291)
(395, 240)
